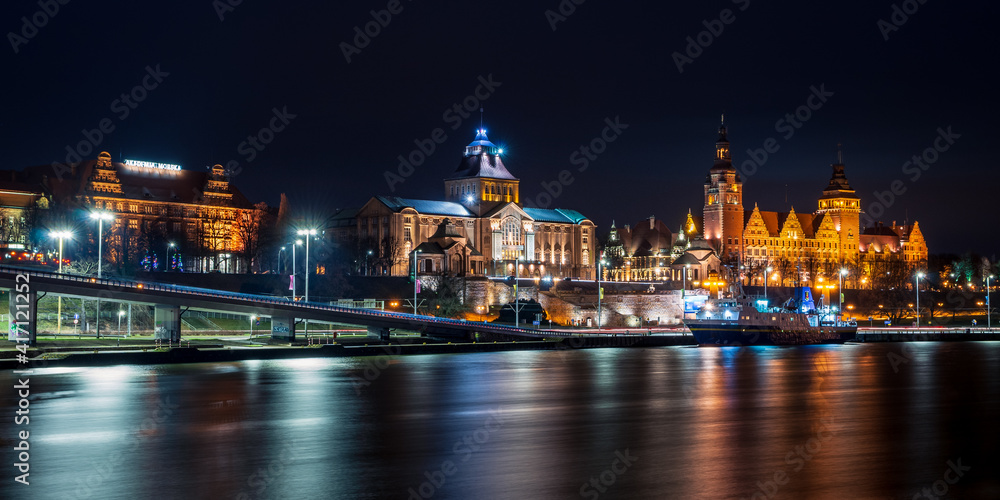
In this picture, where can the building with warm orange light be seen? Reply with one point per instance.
(189, 218)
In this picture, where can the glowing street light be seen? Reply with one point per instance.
(294, 284)
(840, 289)
(61, 235)
(916, 280)
(166, 262)
(989, 323)
(312, 233)
(767, 273)
(100, 217)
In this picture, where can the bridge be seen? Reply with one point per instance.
(171, 301)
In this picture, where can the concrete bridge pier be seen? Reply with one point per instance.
(167, 323)
(23, 317)
(377, 332)
(283, 328)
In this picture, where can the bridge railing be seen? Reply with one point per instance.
(207, 292)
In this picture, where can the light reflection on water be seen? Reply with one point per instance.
(806, 422)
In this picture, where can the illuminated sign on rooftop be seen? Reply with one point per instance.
(150, 164)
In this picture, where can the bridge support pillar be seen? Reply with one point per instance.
(23, 317)
(283, 327)
(167, 323)
(376, 332)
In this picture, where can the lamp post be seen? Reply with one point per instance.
(252, 318)
(294, 284)
(309, 233)
(916, 280)
(277, 267)
(61, 235)
(600, 291)
(367, 269)
(120, 314)
(767, 276)
(989, 323)
(416, 281)
(166, 263)
(840, 289)
(100, 217)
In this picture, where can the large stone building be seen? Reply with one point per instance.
(808, 245)
(180, 219)
(480, 228)
(799, 247)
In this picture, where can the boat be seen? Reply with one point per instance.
(751, 320)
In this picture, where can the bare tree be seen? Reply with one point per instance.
(247, 229)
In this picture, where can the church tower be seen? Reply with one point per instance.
(723, 212)
(844, 208)
(481, 182)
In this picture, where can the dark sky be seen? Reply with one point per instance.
(556, 88)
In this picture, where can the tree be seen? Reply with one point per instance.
(391, 252)
(248, 229)
(449, 298)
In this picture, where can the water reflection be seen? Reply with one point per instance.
(751, 422)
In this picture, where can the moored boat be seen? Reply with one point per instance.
(746, 320)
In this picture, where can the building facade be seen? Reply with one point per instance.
(161, 216)
(796, 246)
(480, 228)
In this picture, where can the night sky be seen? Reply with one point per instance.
(221, 80)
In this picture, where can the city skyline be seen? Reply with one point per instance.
(199, 81)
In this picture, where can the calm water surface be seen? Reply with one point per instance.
(855, 421)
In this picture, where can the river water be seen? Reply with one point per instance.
(853, 421)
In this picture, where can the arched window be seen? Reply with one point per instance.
(511, 237)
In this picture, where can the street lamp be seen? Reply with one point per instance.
(61, 235)
(416, 280)
(767, 275)
(166, 263)
(100, 217)
(278, 266)
(989, 323)
(307, 232)
(252, 319)
(600, 291)
(294, 285)
(840, 288)
(120, 314)
(367, 269)
(916, 280)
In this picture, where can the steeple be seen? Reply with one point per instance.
(722, 146)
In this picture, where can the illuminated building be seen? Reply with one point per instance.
(480, 228)
(801, 246)
(154, 205)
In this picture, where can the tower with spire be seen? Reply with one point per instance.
(481, 182)
(843, 206)
(723, 211)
